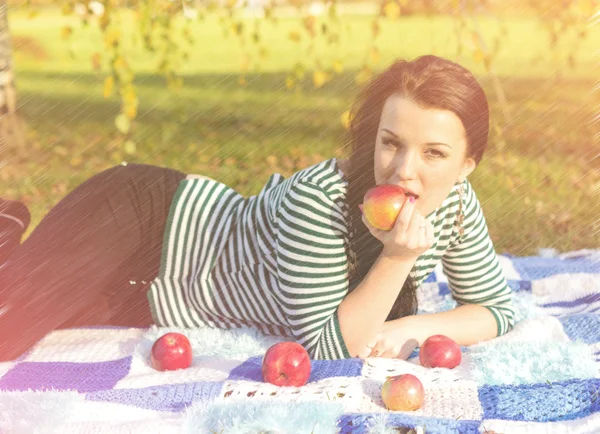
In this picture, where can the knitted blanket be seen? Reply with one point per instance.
(542, 377)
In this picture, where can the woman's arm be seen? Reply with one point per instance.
(363, 312)
(466, 325)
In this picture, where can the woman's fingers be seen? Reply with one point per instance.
(366, 352)
(414, 226)
(405, 217)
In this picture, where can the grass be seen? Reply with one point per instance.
(538, 185)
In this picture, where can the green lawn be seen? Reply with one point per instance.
(537, 190)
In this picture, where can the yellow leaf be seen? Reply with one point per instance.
(67, 9)
(242, 81)
(96, 61)
(237, 28)
(33, 14)
(375, 28)
(392, 10)
(346, 119)
(112, 36)
(119, 63)
(374, 55)
(587, 7)
(129, 147)
(364, 75)
(131, 110)
(478, 55)
(294, 36)
(290, 82)
(245, 63)
(130, 101)
(338, 66)
(319, 78)
(76, 161)
(309, 25)
(108, 86)
(66, 32)
(123, 123)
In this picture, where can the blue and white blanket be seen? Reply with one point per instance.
(542, 377)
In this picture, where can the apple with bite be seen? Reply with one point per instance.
(171, 351)
(286, 364)
(403, 393)
(439, 351)
(382, 204)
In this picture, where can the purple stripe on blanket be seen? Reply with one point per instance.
(432, 277)
(251, 369)
(82, 377)
(534, 267)
(542, 402)
(515, 285)
(583, 301)
(168, 397)
(363, 423)
(584, 327)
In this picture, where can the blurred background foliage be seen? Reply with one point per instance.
(237, 90)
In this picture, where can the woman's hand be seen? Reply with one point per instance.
(394, 341)
(411, 236)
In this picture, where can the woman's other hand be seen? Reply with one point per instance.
(393, 342)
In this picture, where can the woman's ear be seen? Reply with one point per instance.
(468, 168)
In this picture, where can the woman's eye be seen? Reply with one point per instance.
(395, 144)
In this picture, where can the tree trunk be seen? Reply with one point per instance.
(11, 128)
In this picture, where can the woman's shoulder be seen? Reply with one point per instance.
(324, 179)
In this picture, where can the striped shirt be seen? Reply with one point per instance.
(277, 262)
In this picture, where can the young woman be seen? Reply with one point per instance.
(139, 244)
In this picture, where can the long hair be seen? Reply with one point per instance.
(431, 82)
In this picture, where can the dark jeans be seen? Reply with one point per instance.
(86, 261)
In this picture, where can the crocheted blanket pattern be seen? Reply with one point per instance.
(541, 377)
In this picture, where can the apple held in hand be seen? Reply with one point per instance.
(439, 351)
(171, 351)
(382, 204)
(403, 393)
(286, 364)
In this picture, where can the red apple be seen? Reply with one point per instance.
(171, 351)
(382, 204)
(403, 393)
(286, 364)
(439, 351)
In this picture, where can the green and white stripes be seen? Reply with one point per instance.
(473, 269)
(276, 261)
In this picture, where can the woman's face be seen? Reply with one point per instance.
(421, 150)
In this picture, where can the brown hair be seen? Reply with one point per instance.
(431, 82)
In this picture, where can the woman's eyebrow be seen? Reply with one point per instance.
(398, 138)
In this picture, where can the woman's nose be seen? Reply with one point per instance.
(405, 165)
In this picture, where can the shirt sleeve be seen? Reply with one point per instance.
(473, 269)
(312, 268)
